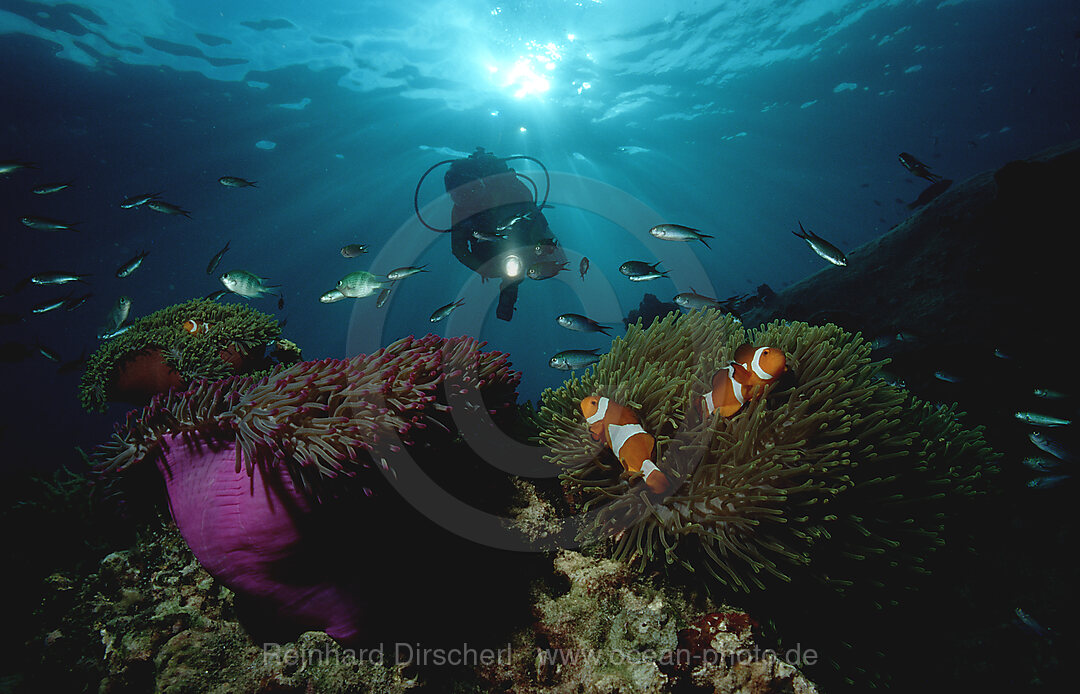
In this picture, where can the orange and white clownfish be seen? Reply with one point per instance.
(195, 327)
(744, 379)
(620, 429)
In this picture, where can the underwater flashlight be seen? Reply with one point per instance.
(512, 265)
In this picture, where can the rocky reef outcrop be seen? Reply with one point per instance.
(986, 257)
(601, 628)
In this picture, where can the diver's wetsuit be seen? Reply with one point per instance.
(487, 194)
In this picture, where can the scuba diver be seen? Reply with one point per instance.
(498, 229)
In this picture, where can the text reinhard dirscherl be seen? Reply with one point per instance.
(411, 653)
(383, 654)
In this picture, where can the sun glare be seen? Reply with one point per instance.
(531, 73)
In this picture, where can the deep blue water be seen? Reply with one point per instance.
(736, 118)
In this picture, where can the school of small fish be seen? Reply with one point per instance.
(746, 377)
(118, 318)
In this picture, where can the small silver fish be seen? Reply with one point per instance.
(574, 359)
(236, 182)
(46, 224)
(545, 246)
(640, 271)
(1050, 445)
(917, 167)
(1046, 481)
(121, 310)
(1048, 394)
(1029, 622)
(383, 296)
(508, 225)
(1002, 355)
(903, 336)
(822, 247)
(545, 269)
(1042, 420)
(331, 296)
(246, 284)
(444, 311)
(353, 250)
(484, 235)
(212, 265)
(947, 377)
(137, 200)
(677, 232)
(214, 296)
(167, 208)
(891, 379)
(132, 265)
(10, 165)
(583, 267)
(113, 333)
(692, 301)
(359, 284)
(1040, 463)
(50, 188)
(48, 306)
(118, 315)
(57, 278)
(403, 272)
(881, 342)
(47, 353)
(576, 321)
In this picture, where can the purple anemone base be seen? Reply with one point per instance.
(249, 532)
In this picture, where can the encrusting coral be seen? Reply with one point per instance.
(833, 463)
(601, 628)
(149, 618)
(229, 339)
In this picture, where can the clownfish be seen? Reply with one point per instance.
(620, 429)
(744, 379)
(195, 327)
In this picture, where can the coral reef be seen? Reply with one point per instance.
(152, 619)
(250, 465)
(606, 630)
(157, 353)
(835, 469)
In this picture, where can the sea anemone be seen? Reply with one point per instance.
(833, 463)
(251, 465)
(156, 353)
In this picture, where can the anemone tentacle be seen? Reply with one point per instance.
(799, 475)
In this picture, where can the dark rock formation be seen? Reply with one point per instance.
(983, 259)
(649, 309)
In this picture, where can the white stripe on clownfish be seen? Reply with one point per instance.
(736, 387)
(736, 390)
(195, 327)
(619, 434)
(601, 411)
(755, 365)
(647, 468)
